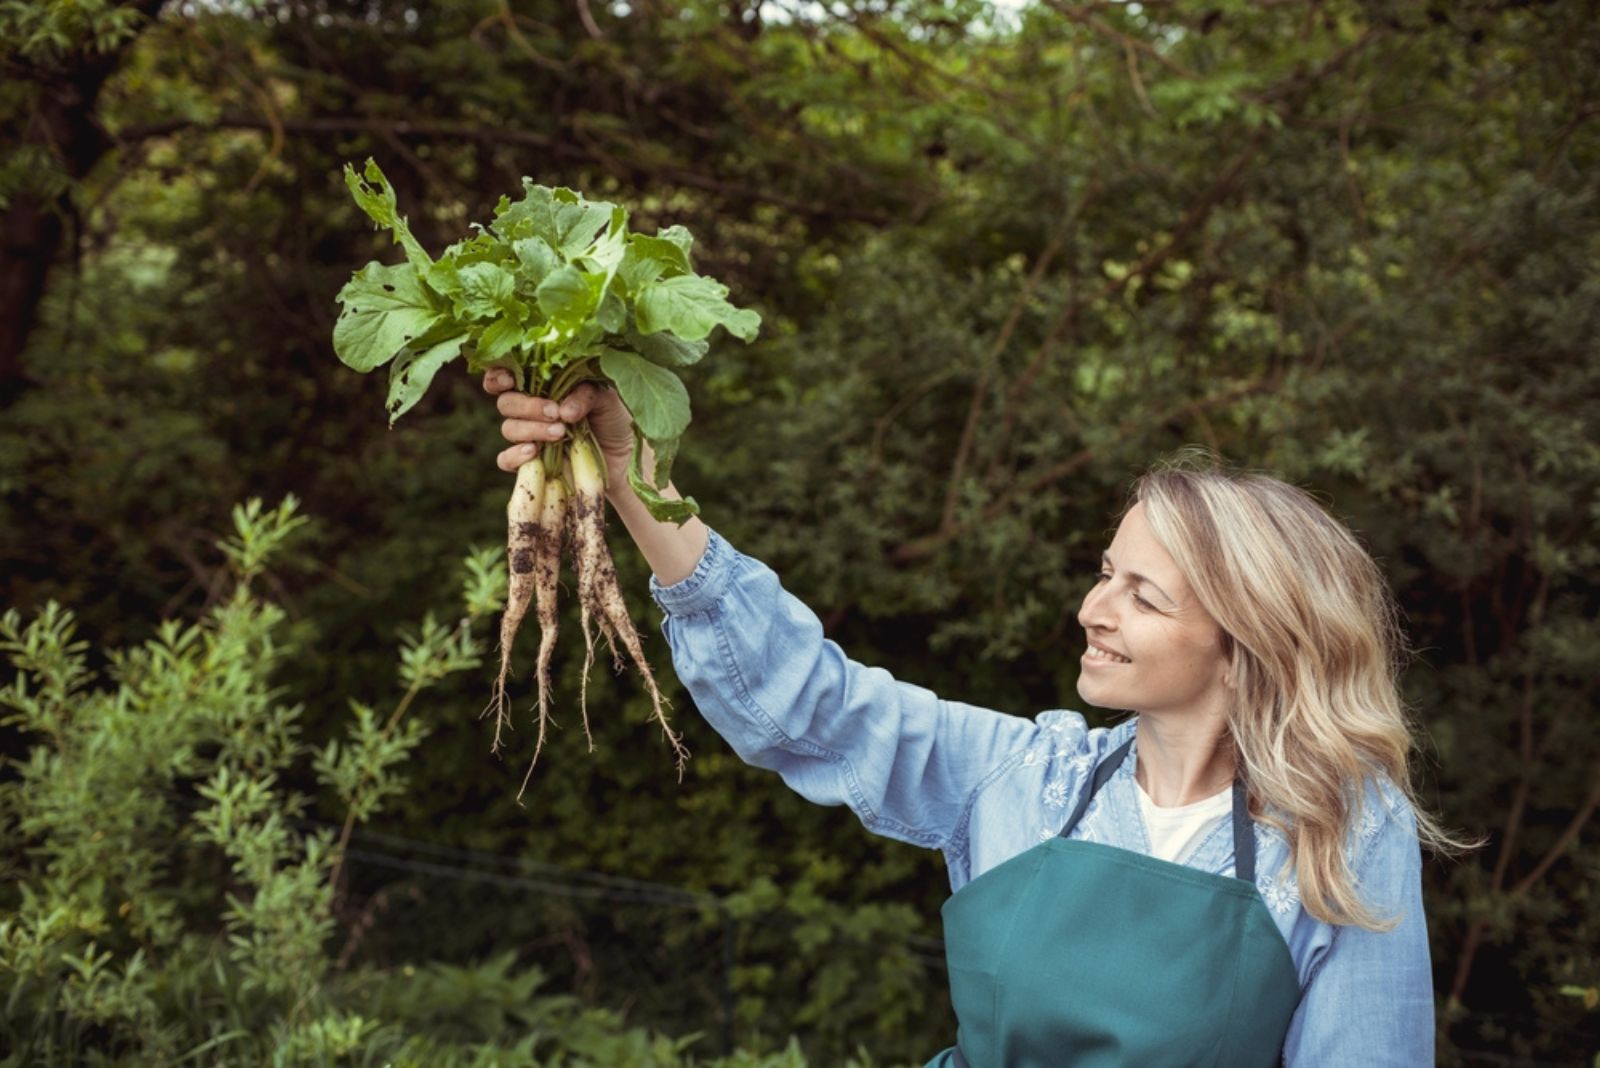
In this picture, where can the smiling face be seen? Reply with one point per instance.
(1152, 647)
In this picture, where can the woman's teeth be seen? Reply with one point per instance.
(1110, 658)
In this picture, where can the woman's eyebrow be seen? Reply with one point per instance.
(1134, 576)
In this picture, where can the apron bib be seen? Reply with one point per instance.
(1084, 955)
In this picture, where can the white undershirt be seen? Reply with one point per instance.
(1174, 831)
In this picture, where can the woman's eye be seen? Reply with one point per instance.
(1106, 576)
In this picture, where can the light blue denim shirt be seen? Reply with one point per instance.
(982, 786)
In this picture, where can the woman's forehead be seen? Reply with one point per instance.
(1135, 548)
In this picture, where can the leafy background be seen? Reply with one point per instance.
(1005, 258)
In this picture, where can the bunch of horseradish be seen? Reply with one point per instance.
(557, 291)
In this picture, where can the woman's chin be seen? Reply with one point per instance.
(1097, 695)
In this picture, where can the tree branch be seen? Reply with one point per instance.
(926, 546)
(1568, 836)
(333, 125)
(1191, 221)
(1018, 303)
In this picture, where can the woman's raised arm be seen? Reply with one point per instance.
(761, 672)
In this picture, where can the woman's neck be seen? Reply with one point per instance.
(1181, 758)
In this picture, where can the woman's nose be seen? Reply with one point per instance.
(1094, 613)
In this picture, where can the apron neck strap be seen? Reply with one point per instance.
(1244, 839)
(1244, 834)
(1107, 767)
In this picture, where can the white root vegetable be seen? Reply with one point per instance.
(553, 521)
(523, 512)
(550, 505)
(598, 591)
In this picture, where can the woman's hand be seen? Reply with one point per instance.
(533, 421)
(672, 551)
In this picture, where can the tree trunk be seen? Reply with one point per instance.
(60, 118)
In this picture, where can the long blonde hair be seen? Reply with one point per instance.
(1315, 645)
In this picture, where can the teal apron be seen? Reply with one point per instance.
(1081, 955)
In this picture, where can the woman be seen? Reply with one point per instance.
(1230, 877)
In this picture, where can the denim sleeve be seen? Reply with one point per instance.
(1370, 1001)
(754, 659)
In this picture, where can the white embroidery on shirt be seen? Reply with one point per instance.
(1281, 895)
(1030, 757)
(1370, 822)
(1055, 794)
(1045, 834)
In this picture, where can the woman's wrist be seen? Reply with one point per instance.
(671, 550)
(617, 483)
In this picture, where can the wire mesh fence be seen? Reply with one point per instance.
(666, 957)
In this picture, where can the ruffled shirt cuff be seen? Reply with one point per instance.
(705, 585)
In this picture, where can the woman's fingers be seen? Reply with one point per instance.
(522, 406)
(520, 430)
(576, 405)
(530, 421)
(514, 405)
(514, 457)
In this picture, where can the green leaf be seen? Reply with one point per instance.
(567, 297)
(655, 396)
(486, 292)
(606, 256)
(578, 221)
(680, 236)
(650, 258)
(612, 315)
(666, 452)
(385, 308)
(668, 350)
(664, 510)
(536, 258)
(411, 374)
(534, 334)
(561, 217)
(639, 269)
(674, 255)
(691, 307)
(377, 200)
(532, 216)
(445, 274)
(497, 340)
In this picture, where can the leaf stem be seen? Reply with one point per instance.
(569, 377)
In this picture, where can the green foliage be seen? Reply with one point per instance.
(109, 926)
(548, 289)
(43, 32)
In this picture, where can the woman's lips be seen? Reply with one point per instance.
(1096, 655)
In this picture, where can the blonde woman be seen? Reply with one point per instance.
(1229, 877)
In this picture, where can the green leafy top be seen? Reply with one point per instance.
(557, 290)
